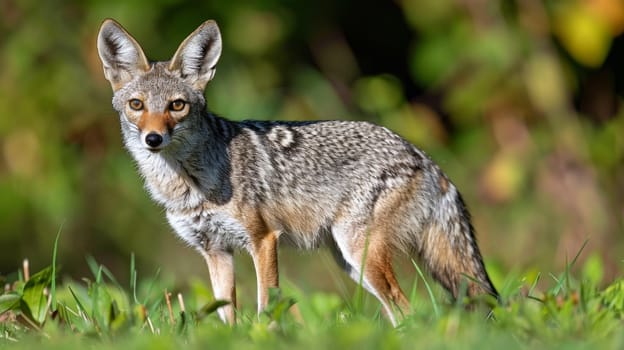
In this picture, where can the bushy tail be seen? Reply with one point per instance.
(449, 249)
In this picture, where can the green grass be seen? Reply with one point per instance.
(101, 313)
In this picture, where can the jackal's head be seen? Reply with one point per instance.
(157, 101)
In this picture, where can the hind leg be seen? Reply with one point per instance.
(365, 256)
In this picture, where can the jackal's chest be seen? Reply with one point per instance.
(209, 230)
(174, 192)
(168, 184)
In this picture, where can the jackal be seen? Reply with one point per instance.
(355, 186)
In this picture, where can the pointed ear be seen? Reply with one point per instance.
(198, 54)
(120, 53)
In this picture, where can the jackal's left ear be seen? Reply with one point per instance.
(198, 54)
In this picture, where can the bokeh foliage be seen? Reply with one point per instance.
(519, 101)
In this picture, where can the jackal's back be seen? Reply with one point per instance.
(306, 175)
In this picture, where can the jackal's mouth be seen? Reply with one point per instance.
(154, 150)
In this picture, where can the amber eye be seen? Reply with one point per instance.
(136, 104)
(177, 105)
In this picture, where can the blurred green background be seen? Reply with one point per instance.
(520, 102)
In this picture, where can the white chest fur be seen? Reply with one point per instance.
(209, 230)
(168, 182)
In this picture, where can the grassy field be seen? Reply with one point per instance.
(101, 312)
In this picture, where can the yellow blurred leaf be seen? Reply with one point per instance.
(584, 34)
(503, 178)
(254, 32)
(545, 83)
(379, 93)
(22, 152)
(417, 123)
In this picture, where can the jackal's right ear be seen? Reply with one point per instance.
(198, 54)
(120, 53)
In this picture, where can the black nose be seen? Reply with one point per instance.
(153, 139)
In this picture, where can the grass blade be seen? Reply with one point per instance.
(568, 267)
(133, 278)
(359, 292)
(150, 288)
(94, 267)
(534, 284)
(53, 282)
(434, 302)
(82, 310)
